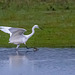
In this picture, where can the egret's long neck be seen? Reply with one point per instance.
(32, 32)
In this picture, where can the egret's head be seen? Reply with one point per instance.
(36, 26)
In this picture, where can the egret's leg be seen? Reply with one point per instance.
(17, 46)
(27, 47)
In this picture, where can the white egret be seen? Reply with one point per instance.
(17, 34)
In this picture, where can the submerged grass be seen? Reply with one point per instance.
(58, 25)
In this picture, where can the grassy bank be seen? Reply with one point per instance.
(57, 21)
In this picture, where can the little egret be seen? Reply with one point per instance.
(17, 34)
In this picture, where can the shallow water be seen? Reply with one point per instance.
(45, 61)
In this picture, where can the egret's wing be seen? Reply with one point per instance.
(11, 30)
(17, 34)
(18, 31)
(5, 29)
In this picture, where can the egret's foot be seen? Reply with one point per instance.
(35, 49)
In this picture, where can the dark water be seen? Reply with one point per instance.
(45, 61)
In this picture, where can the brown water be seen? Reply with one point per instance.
(45, 61)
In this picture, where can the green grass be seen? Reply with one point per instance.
(58, 25)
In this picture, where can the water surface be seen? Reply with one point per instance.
(45, 61)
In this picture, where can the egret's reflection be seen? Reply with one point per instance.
(17, 60)
(20, 64)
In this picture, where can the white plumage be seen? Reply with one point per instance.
(17, 34)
